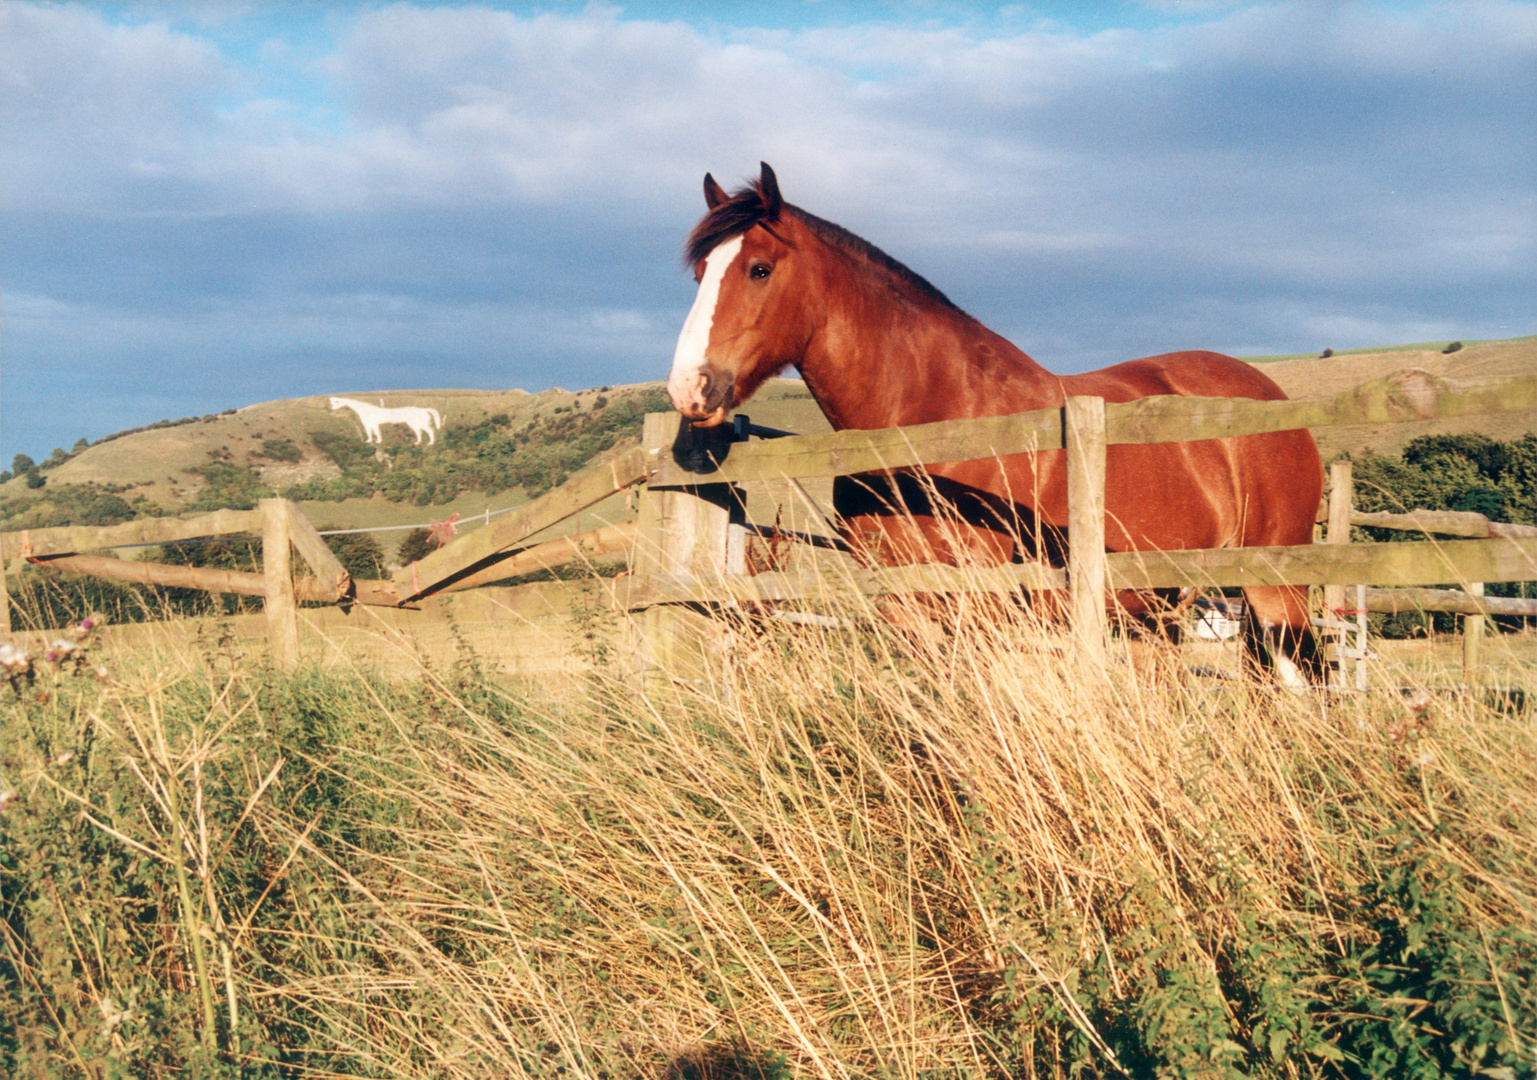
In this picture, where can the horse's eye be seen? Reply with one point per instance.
(760, 271)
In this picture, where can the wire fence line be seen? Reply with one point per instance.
(483, 518)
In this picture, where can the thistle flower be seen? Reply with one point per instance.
(14, 659)
(86, 626)
(58, 650)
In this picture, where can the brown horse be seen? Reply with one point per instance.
(879, 347)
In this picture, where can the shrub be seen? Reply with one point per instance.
(359, 553)
(280, 450)
(72, 504)
(1467, 472)
(415, 546)
(227, 485)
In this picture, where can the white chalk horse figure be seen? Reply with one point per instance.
(419, 419)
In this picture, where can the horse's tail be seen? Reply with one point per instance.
(436, 419)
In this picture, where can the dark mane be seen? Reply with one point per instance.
(745, 208)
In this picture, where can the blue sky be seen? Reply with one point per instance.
(209, 205)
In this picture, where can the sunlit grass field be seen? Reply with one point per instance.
(843, 853)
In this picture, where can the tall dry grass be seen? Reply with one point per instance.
(845, 853)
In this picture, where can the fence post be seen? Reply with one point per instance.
(1083, 435)
(278, 582)
(5, 596)
(1341, 496)
(682, 532)
(1473, 641)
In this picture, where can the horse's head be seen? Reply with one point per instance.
(337, 403)
(752, 315)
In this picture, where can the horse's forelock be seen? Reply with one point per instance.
(744, 209)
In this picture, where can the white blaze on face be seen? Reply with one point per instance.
(686, 382)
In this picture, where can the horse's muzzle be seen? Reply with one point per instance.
(703, 395)
(714, 419)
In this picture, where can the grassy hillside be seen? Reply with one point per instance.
(497, 449)
(1314, 375)
(500, 448)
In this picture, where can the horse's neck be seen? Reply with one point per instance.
(880, 360)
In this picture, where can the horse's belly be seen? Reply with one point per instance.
(1257, 490)
(1261, 489)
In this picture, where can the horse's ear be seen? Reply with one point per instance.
(714, 194)
(768, 186)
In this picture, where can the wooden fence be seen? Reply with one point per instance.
(686, 549)
(688, 546)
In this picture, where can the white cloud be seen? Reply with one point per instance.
(90, 108)
(501, 184)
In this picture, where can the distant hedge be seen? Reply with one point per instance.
(1468, 472)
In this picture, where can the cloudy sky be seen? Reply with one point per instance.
(205, 206)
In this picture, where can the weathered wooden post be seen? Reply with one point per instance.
(5, 596)
(331, 576)
(1473, 641)
(1341, 495)
(682, 533)
(1083, 434)
(1361, 628)
(278, 582)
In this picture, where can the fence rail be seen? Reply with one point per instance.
(1401, 398)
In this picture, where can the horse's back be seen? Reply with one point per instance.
(1189, 374)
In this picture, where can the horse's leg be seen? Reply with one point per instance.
(1277, 636)
(891, 539)
(1151, 623)
(907, 539)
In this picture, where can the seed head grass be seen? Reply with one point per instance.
(839, 851)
